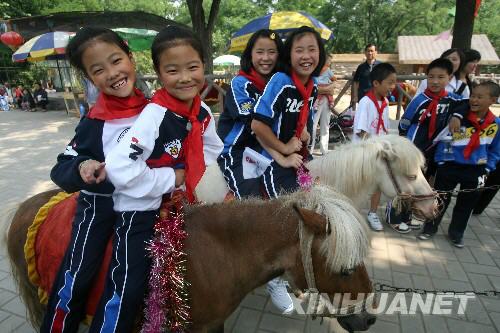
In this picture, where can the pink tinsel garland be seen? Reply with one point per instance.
(167, 303)
(304, 178)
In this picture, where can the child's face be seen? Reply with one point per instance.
(437, 79)
(470, 67)
(110, 69)
(385, 87)
(181, 72)
(304, 56)
(480, 99)
(264, 56)
(455, 60)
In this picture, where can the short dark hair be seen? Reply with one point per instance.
(246, 56)
(297, 34)
(461, 55)
(493, 87)
(472, 55)
(173, 36)
(370, 45)
(442, 63)
(381, 71)
(86, 37)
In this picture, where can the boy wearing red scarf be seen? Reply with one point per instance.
(472, 154)
(372, 119)
(427, 115)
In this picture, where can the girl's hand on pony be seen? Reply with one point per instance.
(305, 136)
(180, 177)
(92, 171)
(293, 145)
(291, 161)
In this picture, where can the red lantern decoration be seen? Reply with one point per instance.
(12, 38)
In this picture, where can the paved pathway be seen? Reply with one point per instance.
(29, 143)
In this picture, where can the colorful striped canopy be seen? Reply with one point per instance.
(282, 22)
(42, 47)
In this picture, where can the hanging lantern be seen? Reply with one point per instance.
(12, 39)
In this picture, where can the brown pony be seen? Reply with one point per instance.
(232, 248)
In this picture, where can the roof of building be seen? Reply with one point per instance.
(424, 49)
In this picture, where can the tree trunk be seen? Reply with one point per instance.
(204, 30)
(464, 24)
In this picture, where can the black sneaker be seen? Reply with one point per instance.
(424, 236)
(459, 243)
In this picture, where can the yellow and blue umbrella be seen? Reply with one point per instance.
(46, 46)
(281, 22)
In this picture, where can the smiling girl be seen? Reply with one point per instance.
(258, 63)
(104, 58)
(283, 115)
(171, 143)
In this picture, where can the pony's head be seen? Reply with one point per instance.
(389, 163)
(400, 164)
(333, 241)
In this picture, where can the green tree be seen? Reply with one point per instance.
(204, 26)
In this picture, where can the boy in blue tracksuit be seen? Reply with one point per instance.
(425, 118)
(467, 160)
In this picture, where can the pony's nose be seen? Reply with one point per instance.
(370, 320)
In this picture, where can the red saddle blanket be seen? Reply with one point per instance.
(48, 238)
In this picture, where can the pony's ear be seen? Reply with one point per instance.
(387, 152)
(317, 223)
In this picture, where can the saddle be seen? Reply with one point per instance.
(48, 238)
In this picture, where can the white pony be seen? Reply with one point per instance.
(390, 163)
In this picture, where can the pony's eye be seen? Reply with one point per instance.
(412, 177)
(347, 271)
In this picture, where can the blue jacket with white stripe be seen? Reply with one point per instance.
(487, 154)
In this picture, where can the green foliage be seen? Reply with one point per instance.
(488, 22)
(143, 62)
(32, 74)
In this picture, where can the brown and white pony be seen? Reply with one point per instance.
(234, 247)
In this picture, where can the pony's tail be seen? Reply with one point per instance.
(27, 291)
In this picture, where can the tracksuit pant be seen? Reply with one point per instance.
(278, 180)
(448, 176)
(231, 166)
(127, 277)
(487, 195)
(92, 228)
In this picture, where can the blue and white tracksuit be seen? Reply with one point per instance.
(454, 168)
(141, 168)
(234, 128)
(279, 107)
(92, 225)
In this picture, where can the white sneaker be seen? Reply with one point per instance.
(374, 221)
(279, 295)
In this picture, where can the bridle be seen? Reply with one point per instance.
(407, 199)
(319, 303)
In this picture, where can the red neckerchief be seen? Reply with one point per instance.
(195, 159)
(380, 110)
(432, 109)
(109, 107)
(475, 138)
(254, 77)
(305, 93)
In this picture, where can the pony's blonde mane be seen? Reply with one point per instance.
(352, 168)
(348, 243)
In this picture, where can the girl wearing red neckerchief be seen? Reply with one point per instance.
(104, 58)
(283, 115)
(171, 143)
(239, 160)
